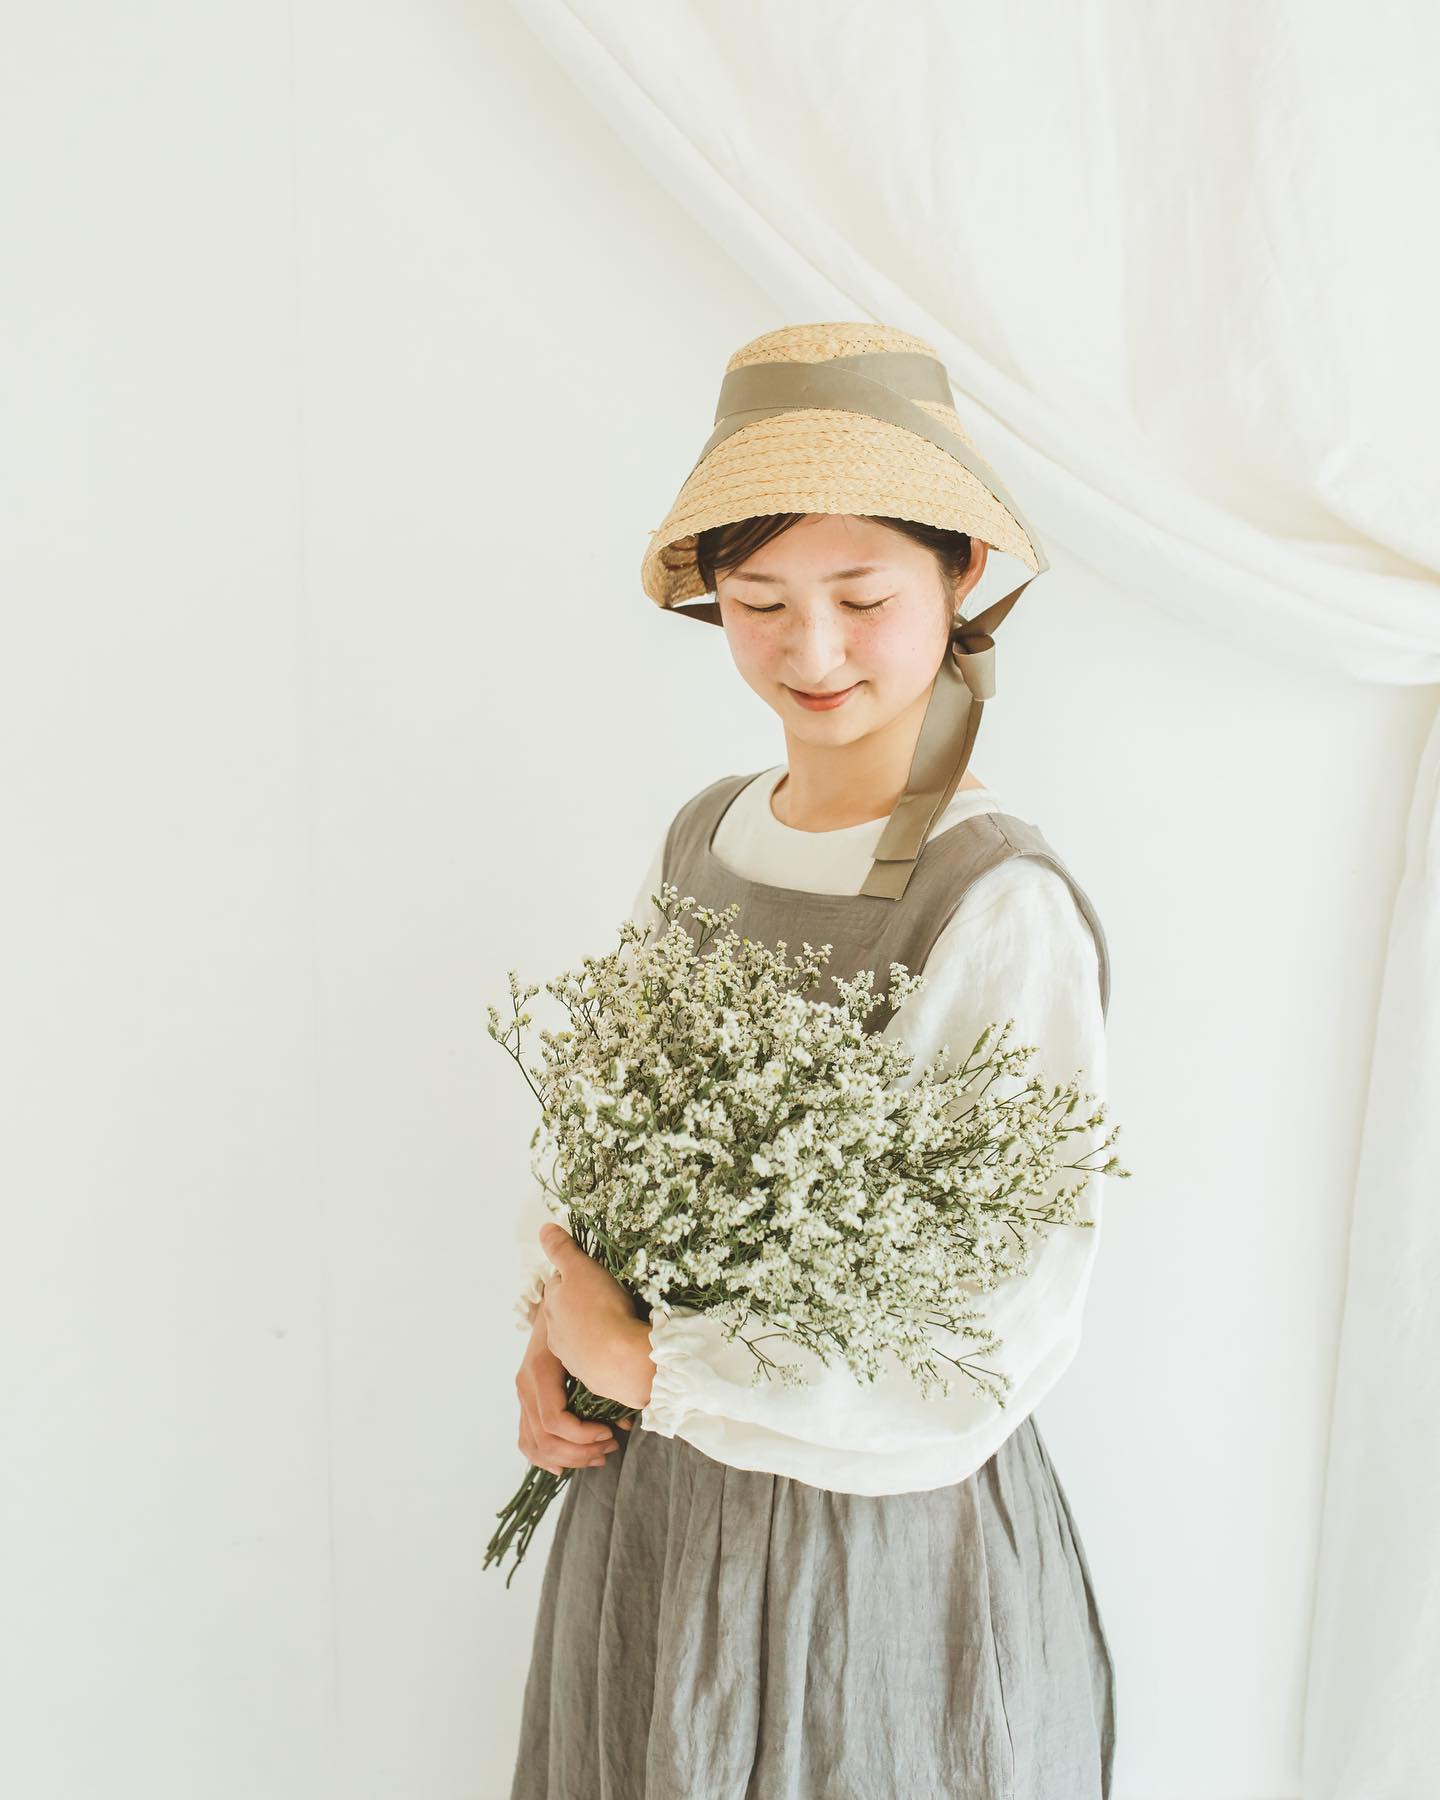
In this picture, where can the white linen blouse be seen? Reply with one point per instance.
(1016, 946)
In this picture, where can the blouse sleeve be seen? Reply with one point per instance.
(1016, 946)
(535, 1207)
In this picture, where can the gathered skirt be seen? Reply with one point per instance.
(712, 1633)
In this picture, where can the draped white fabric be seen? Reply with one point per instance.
(1177, 264)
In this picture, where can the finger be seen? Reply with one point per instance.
(572, 1456)
(556, 1242)
(544, 1397)
(554, 1455)
(547, 1401)
(573, 1447)
(554, 1418)
(561, 1423)
(534, 1455)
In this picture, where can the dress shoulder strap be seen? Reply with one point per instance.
(955, 858)
(694, 825)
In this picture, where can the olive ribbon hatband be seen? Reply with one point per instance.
(885, 385)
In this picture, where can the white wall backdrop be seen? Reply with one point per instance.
(348, 360)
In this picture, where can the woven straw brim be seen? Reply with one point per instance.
(825, 461)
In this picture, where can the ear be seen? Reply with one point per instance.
(979, 551)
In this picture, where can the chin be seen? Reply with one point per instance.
(825, 728)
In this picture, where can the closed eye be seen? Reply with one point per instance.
(850, 605)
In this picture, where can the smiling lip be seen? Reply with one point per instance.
(823, 702)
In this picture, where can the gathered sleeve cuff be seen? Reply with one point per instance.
(534, 1267)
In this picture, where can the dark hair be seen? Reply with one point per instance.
(723, 546)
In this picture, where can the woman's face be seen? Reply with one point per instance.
(840, 603)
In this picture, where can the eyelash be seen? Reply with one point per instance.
(874, 606)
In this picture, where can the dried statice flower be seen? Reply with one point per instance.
(723, 1141)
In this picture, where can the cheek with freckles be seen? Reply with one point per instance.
(759, 653)
(748, 643)
(900, 654)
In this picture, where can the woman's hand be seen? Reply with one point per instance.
(591, 1325)
(551, 1436)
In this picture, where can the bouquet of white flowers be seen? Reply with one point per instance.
(721, 1143)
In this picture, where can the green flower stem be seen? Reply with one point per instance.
(528, 1504)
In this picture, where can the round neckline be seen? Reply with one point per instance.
(877, 903)
(833, 831)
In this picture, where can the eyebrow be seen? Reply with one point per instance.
(834, 575)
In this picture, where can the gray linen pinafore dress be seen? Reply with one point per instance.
(713, 1633)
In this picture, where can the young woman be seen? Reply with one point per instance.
(773, 1593)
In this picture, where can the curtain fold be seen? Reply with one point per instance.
(1372, 1726)
(1174, 266)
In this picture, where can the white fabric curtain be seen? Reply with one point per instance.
(1178, 263)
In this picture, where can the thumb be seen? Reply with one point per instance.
(556, 1242)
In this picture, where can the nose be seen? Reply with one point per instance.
(815, 651)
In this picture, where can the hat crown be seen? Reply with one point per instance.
(817, 343)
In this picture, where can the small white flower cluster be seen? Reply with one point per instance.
(723, 1143)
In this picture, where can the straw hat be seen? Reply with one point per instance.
(853, 417)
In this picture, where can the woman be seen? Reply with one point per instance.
(769, 1593)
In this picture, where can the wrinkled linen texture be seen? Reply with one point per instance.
(710, 1633)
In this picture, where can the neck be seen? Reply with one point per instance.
(829, 786)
